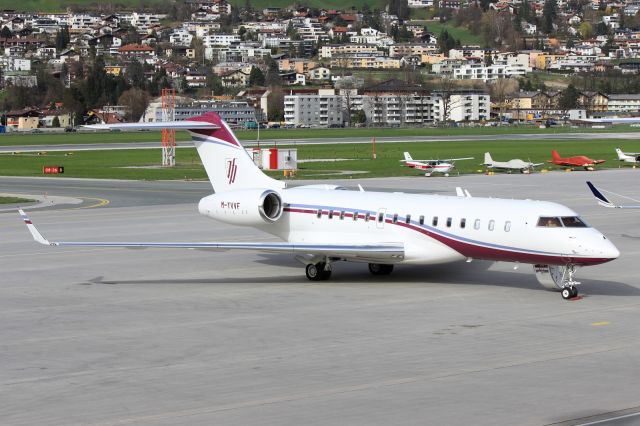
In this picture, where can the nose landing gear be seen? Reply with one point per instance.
(558, 277)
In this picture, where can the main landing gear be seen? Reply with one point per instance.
(380, 269)
(321, 270)
(557, 277)
(318, 271)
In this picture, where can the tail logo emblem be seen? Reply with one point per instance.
(232, 170)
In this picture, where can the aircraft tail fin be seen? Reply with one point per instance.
(407, 157)
(225, 160)
(487, 159)
(621, 155)
(555, 155)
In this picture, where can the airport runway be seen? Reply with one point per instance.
(325, 141)
(166, 337)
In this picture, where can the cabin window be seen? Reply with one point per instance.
(330, 214)
(492, 224)
(507, 226)
(463, 223)
(355, 216)
(449, 220)
(573, 222)
(549, 222)
(342, 215)
(476, 224)
(366, 217)
(380, 217)
(395, 218)
(421, 220)
(319, 214)
(434, 222)
(407, 219)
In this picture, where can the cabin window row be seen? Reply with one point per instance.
(407, 219)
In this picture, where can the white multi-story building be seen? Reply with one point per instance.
(420, 3)
(625, 103)
(463, 106)
(333, 50)
(314, 110)
(180, 37)
(213, 40)
(143, 21)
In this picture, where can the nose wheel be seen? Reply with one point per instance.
(570, 292)
(558, 278)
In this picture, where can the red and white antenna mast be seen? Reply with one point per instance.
(168, 135)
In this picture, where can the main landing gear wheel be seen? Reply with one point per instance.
(317, 271)
(380, 269)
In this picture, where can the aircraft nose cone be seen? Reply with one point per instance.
(611, 251)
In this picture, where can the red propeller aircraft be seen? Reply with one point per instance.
(576, 161)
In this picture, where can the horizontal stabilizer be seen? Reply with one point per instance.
(158, 125)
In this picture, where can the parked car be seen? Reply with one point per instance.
(274, 126)
(36, 131)
(70, 129)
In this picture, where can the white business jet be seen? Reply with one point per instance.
(628, 157)
(323, 224)
(516, 164)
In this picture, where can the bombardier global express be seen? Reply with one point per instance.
(324, 224)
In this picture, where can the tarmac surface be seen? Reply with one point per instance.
(325, 141)
(104, 336)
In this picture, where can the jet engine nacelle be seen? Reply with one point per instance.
(243, 207)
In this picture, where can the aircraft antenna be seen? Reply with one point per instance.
(168, 135)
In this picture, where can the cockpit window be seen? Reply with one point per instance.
(573, 222)
(549, 222)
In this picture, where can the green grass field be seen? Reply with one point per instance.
(143, 164)
(15, 200)
(11, 139)
(466, 37)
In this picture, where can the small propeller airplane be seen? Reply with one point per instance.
(443, 166)
(628, 157)
(604, 201)
(512, 165)
(575, 161)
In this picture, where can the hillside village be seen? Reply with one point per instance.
(401, 65)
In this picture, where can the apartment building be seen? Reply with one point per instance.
(320, 109)
(340, 50)
(624, 103)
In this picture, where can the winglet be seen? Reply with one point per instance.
(34, 231)
(602, 200)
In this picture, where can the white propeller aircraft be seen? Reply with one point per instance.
(628, 157)
(512, 165)
(323, 224)
(432, 166)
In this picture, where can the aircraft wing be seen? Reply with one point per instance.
(456, 159)
(364, 252)
(604, 201)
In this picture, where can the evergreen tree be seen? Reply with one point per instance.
(55, 122)
(62, 39)
(6, 33)
(549, 15)
(256, 77)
